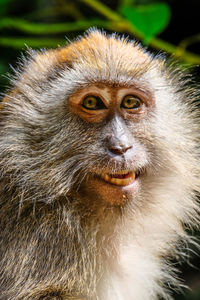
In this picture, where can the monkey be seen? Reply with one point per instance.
(99, 172)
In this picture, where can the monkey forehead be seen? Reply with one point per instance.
(100, 57)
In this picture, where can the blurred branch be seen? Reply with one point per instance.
(40, 28)
(156, 43)
(30, 42)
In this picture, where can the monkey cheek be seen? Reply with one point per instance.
(101, 193)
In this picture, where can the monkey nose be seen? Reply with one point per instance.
(119, 149)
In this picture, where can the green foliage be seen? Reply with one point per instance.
(148, 19)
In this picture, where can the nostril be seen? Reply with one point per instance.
(119, 149)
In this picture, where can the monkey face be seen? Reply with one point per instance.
(120, 159)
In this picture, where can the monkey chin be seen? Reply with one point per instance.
(111, 190)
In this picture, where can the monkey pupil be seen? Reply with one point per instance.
(129, 102)
(91, 103)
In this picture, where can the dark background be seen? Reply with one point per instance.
(185, 15)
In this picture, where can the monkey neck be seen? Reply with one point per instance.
(72, 232)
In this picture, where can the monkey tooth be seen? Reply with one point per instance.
(119, 179)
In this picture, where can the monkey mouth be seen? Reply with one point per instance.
(121, 179)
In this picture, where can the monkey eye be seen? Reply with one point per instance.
(131, 102)
(93, 103)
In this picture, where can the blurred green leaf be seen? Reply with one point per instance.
(148, 19)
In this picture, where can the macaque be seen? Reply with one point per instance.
(99, 173)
